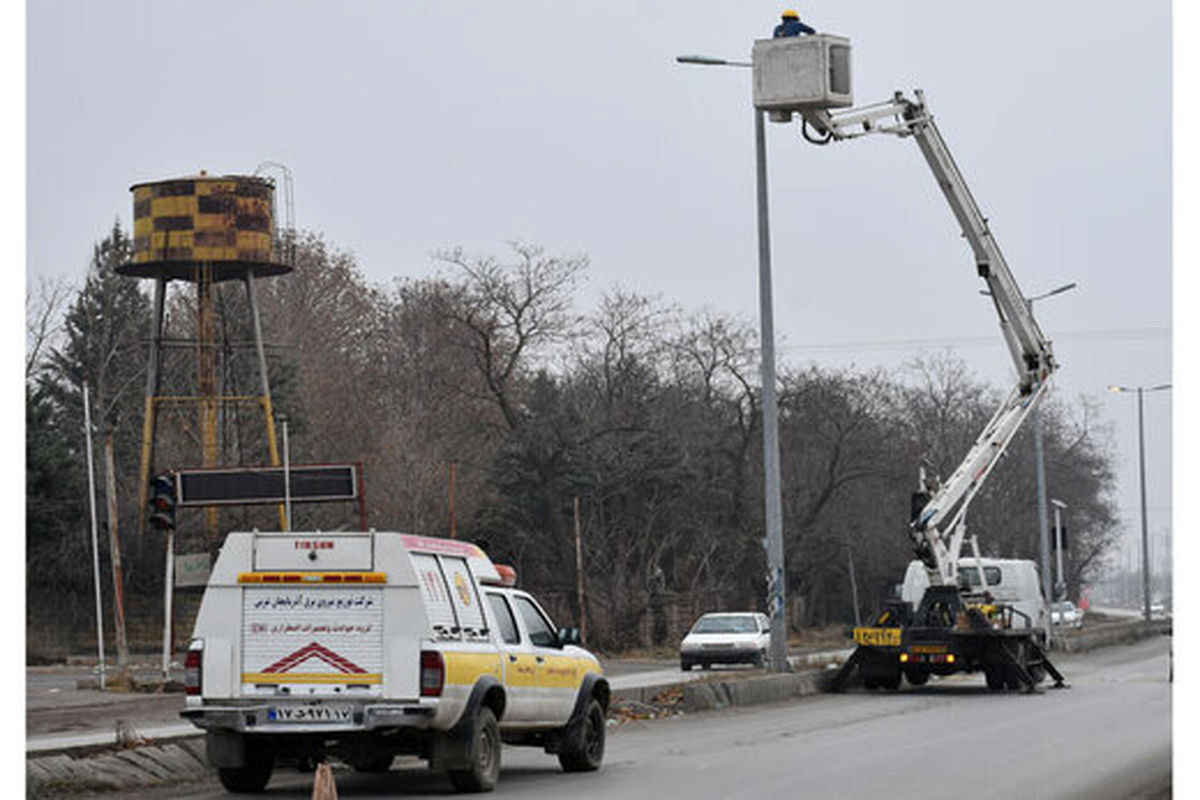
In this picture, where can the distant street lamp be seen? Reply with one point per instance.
(1142, 475)
(777, 653)
(1039, 455)
(1060, 585)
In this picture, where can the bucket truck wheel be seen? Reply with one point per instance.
(994, 677)
(917, 678)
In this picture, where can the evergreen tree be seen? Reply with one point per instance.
(105, 331)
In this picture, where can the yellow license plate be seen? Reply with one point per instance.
(878, 637)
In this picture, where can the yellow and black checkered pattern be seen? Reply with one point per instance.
(216, 219)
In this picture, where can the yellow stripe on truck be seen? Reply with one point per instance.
(467, 668)
(356, 678)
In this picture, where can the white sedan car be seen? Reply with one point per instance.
(1065, 613)
(727, 638)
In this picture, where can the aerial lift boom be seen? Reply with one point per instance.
(938, 529)
(953, 629)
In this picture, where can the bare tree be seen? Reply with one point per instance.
(44, 310)
(511, 311)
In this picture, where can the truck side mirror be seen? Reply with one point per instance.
(568, 636)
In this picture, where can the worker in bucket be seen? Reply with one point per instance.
(791, 25)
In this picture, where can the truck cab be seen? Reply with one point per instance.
(364, 646)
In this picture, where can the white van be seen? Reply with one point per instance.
(1013, 582)
(369, 645)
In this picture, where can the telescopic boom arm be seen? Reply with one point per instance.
(938, 530)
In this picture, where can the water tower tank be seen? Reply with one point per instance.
(225, 222)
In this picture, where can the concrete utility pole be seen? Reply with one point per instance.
(114, 547)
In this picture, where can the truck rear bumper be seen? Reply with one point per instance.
(260, 719)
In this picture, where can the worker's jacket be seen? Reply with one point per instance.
(791, 27)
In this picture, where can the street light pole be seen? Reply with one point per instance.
(1142, 482)
(773, 512)
(774, 505)
(1145, 535)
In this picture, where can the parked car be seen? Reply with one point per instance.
(1065, 613)
(726, 638)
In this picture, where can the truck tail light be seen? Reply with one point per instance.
(192, 669)
(433, 673)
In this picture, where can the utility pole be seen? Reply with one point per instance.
(114, 546)
(91, 470)
(579, 575)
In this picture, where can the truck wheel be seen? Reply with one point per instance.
(686, 666)
(252, 776)
(917, 678)
(892, 682)
(483, 754)
(995, 678)
(871, 683)
(583, 747)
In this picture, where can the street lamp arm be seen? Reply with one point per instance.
(712, 61)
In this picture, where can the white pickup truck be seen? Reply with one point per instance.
(370, 645)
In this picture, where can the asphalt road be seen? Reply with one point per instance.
(1108, 736)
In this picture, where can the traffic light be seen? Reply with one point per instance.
(162, 503)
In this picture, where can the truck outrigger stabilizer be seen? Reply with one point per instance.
(949, 633)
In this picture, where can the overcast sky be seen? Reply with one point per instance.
(413, 127)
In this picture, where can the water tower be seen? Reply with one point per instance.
(204, 230)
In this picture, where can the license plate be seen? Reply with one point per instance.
(877, 637)
(310, 713)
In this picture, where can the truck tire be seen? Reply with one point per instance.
(994, 677)
(583, 747)
(917, 678)
(483, 753)
(253, 775)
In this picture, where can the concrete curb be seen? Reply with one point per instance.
(773, 688)
(1110, 635)
(116, 770)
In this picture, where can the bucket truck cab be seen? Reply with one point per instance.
(370, 645)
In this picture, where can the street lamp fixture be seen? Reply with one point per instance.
(1141, 390)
